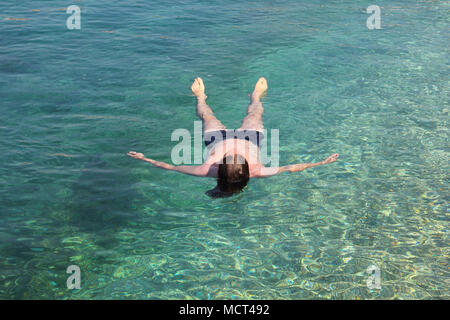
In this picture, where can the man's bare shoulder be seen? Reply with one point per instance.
(260, 171)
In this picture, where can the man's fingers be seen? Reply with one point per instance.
(135, 154)
(334, 157)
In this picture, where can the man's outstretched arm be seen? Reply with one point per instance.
(268, 172)
(204, 170)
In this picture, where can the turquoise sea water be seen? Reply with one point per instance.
(73, 102)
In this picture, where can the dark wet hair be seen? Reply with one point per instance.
(233, 174)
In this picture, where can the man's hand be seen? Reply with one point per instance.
(136, 155)
(205, 170)
(158, 164)
(331, 158)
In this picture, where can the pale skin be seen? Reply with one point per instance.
(253, 121)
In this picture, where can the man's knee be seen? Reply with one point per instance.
(255, 115)
(205, 114)
(256, 110)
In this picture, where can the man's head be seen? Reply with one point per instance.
(233, 173)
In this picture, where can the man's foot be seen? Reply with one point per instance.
(198, 88)
(260, 88)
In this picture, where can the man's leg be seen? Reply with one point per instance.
(255, 110)
(210, 122)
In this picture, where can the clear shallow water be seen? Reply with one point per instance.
(74, 102)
